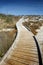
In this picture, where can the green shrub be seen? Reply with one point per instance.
(1, 54)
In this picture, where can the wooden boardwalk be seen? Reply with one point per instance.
(24, 50)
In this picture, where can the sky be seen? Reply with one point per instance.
(21, 7)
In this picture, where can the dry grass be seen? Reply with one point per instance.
(8, 21)
(33, 26)
(7, 38)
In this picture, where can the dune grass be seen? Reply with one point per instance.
(7, 38)
(33, 26)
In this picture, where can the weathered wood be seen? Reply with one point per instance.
(23, 50)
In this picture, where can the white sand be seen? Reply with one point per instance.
(8, 29)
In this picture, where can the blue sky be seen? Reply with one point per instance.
(21, 7)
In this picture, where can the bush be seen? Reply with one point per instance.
(8, 20)
(1, 54)
(34, 26)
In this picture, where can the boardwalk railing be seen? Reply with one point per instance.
(39, 52)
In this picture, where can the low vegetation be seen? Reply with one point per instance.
(8, 37)
(8, 21)
(33, 25)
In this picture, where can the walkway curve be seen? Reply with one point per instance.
(23, 51)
